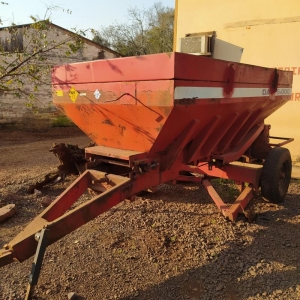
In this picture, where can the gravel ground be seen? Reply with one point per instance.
(172, 244)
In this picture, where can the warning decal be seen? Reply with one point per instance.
(73, 94)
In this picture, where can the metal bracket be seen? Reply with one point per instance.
(228, 89)
(274, 82)
(285, 141)
(42, 238)
(176, 147)
(230, 212)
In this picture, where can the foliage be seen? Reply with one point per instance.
(148, 31)
(62, 121)
(100, 40)
(25, 53)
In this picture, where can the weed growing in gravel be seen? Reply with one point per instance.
(227, 189)
(62, 121)
(296, 181)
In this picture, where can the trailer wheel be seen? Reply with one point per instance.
(276, 175)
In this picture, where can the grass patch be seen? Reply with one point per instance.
(295, 180)
(62, 121)
(227, 189)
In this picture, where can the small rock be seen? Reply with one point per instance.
(46, 201)
(252, 272)
(219, 287)
(73, 296)
(7, 211)
(48, 292)
(37, 192)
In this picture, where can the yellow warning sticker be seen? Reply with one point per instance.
(73, 94)
(59, 93)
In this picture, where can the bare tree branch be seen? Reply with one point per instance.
(26, 54)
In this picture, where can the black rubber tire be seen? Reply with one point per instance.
(276, 175)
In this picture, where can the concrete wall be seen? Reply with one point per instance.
(268, 32)
(15, 112)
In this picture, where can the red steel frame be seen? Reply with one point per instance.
(145, 172)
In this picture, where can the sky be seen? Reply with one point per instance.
(85, 14)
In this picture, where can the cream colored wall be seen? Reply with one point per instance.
(268, 30)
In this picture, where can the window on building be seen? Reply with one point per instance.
(11, 40)
(101, 54)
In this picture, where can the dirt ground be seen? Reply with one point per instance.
(172, 244)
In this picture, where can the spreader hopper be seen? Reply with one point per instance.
(144, 103)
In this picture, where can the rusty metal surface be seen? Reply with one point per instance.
(176, 147)
(241, 147)
(229, 211)
(242, 172)
(42, 238)
(131, 104)
(111, 152)
(239, 204)
(59, 221)
(116, 125)
(6, 257)
(163, 66)
(24, 244)
(214, 195)
(285, 141)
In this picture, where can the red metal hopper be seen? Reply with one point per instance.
(144, 103)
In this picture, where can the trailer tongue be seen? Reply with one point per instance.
(163, 118)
